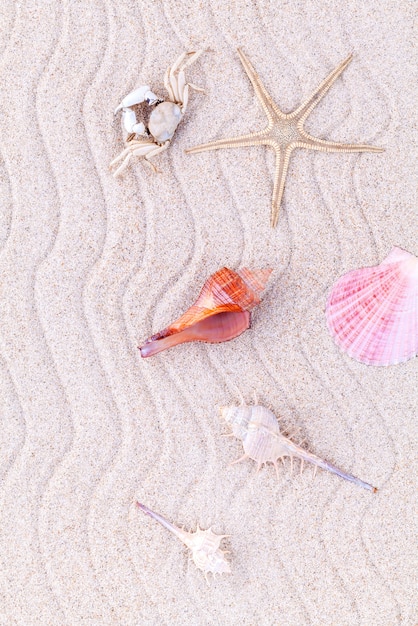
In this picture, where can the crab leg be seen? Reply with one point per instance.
(185, 99)
(154, 152)
(142, 149)
(175, 85)
(193, 58)
(168, 86)
(122, 166)
(181, 84)
(173, 78)
(127, 154)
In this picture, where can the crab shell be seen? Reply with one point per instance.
(164, 120)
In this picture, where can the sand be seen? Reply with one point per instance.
(91, 266)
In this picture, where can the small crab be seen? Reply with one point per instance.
(163, 120)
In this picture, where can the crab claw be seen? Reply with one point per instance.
(130, 124)
(137, 96)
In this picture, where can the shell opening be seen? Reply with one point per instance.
(214, 329)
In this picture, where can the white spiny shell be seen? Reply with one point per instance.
(164, 120)
(372, 313)
(206, 552)
(259, 431)
(204, 544)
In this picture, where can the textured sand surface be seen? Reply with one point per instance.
(91, 266)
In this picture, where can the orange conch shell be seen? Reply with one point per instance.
(221, 312)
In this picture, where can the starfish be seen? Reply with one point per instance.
(284, 131)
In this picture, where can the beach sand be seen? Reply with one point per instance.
(90, 266)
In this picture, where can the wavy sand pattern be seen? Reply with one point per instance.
(90, 266)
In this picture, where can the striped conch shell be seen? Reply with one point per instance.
(259, 431)
(204, 544)
(221, 312)
(372, 313)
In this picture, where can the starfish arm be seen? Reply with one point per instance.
(306, 107)
(313, 143)
(282, 165)
(270, 108)
(252, 139)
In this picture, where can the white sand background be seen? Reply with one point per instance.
(91, 266)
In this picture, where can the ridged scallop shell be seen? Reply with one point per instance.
(204, 544)
(372, 313)
(220, 313)
(263, 442)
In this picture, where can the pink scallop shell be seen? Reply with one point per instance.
(372, 313)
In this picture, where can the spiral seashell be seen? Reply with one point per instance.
(372, 313)
(263, 442)
(204, 544)
(221, 312)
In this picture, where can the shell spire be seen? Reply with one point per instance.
(263, 442)
(372, 313)
(204, 544)
(220, 313)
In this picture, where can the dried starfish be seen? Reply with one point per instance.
(284, 131)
